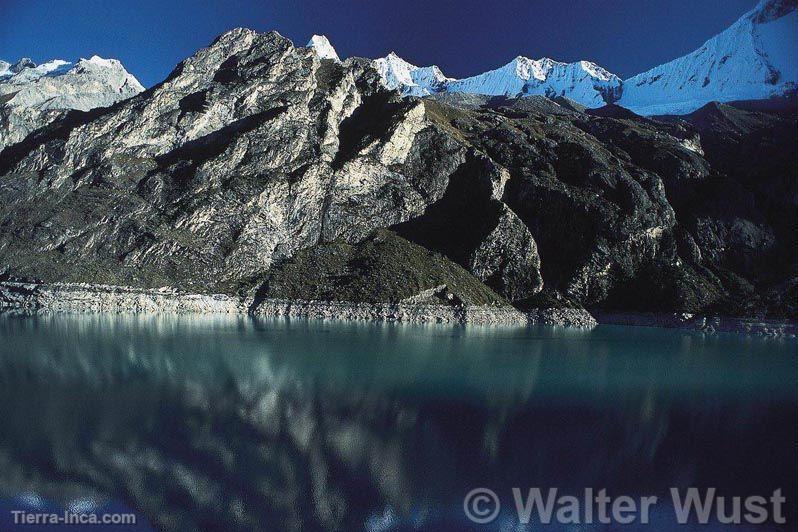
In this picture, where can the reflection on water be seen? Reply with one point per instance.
(234, 423)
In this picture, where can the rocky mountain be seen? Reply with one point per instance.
(213, 177)
(32, 96)
(753, 59)
(260, 169)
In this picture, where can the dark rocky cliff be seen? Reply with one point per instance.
(255, 156)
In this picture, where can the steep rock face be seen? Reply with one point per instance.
(752, 59)
(745, 219)
(631, 213)
(475, 228)
(250, 151)
(32, 96)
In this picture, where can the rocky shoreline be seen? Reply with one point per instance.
(85, 297)
(89, 298)
(390, 312)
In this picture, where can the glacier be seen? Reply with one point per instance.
(582, 81)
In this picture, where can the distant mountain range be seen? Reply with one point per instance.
(752, 59)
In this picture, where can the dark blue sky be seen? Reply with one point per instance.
(463, 37)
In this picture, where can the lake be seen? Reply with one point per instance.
(239, 423)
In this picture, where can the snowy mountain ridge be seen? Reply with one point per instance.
(582, 81)
(752, 59)
(411, 80)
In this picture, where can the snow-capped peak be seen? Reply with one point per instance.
(26, 71)
(321, 45)
(583, 81)
(752, 59)
(395, 71)
(100, 62)
(411, 80)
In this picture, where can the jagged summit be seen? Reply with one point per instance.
(19, 66)
(752, 59)
(321, 45)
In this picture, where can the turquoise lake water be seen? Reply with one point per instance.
(236, 423)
